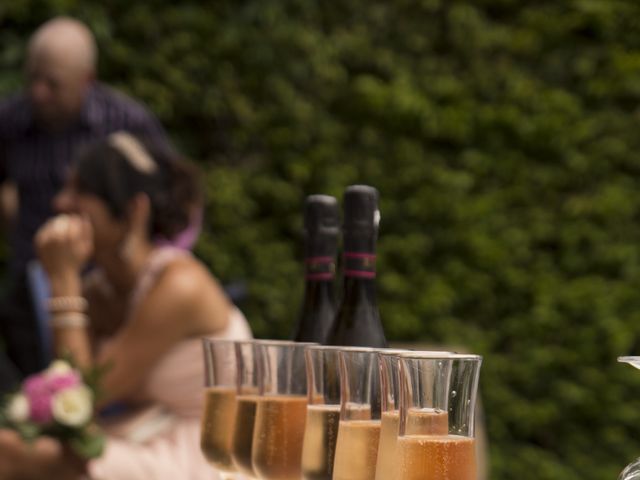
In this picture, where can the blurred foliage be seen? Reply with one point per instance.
(503, 137)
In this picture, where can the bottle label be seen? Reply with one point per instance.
(361, 265)
(320, 268)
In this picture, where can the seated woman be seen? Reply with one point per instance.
(148, 306)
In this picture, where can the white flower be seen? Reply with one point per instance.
(73, 406)
(18, 409)
(58, 367)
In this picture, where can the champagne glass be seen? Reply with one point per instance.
(389, 364)
(280, 412)
(323, 412)
(249, 371)
(631, 471)
(220, 405)
(437, 416)
(390, 413)
(359, 430)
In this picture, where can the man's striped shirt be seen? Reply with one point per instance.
(37, 161)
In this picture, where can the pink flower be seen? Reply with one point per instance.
(63, 381)
(36, 389)
(35, 385)
(40, 389)
(40, 409)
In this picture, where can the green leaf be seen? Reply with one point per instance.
(28, 431)
(89, 444)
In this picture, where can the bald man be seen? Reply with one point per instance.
(60, 70)
(61, 108)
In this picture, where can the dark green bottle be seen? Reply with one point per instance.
(357, 322)
(321, 230)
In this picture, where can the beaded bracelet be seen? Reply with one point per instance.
(67, 304)
(69, 320)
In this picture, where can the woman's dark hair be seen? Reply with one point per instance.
(105, 170)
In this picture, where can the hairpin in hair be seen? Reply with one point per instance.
(135, 153)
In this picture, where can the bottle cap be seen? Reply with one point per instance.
(321, 215)
(361, 208)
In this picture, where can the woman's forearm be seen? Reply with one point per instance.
(70, 332)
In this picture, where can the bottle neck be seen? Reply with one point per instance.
(320, 269)
(359, 265)
(359, 289)
(359, 258)
(317, 294)
(357, 321)
(360, 241)
(318, 305)
(320, 256)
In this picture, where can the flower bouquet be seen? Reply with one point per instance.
(57, 402)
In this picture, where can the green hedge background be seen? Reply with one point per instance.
(503, 137)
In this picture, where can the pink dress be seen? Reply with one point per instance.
(162, 442)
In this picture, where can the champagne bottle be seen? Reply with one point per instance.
(357, 321)
(322, 226)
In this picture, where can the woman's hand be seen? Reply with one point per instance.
(64, 245)
(45, 458)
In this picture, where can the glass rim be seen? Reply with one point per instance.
(426, 355)
(283, 343)
(245, 342)
(274, 341)
(629, 358)
(359, 350)
(398, 352)
(319, 347)
(392, 351)
(210, 340)
(632, 360)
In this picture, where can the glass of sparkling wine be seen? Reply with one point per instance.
(280, 412)
(359, 430)
(437, 416)
(323, 412)
(631, 471)
(220, 405)
(249, 371)
(389, 364)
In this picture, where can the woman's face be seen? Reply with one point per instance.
(108, 231)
